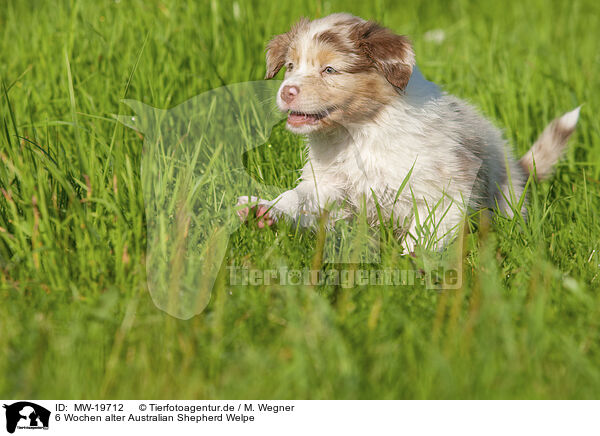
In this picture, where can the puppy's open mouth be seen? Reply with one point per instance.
(296, 118)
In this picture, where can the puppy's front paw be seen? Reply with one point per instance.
(245, 201)
(263, 216)
(259, 208)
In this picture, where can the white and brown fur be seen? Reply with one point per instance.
(371, 119)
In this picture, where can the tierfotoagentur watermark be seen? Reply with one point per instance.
(346, 278)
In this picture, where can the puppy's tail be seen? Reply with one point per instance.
(550, 146)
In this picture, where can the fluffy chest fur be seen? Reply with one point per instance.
(413, 143)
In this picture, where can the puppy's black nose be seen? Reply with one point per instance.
(289, 93)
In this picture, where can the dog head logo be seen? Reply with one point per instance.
(26, 415)
(191, 173)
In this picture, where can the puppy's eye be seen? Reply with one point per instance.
(290, 66)
(329, 70)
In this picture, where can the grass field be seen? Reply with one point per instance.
(76, 317)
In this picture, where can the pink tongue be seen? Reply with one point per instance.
(298, 119)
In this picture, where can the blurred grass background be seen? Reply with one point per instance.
(76, 319)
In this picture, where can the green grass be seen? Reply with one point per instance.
(76, 317)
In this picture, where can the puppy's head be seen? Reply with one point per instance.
(340, 70)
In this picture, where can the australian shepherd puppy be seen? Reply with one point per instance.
(381, 137)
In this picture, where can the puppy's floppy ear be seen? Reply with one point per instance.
(391, 54)
(277, 48)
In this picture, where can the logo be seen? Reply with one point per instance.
(26, 415)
